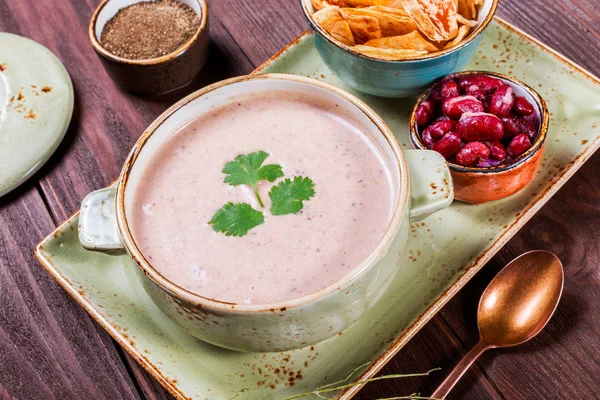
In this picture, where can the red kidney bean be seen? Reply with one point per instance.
(427, 139)
(527, 127)
(474, 83)
(436, 93)
(448, 146)
(474, 127)
(472, 153)
(481, 96)
(518, 145)
(512, 126)
(497, 150)
(439, 128)
(449, 89)
(502, 101)
(455, 107)
(522, 106)
(424, 113)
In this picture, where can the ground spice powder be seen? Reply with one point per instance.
(149, 29)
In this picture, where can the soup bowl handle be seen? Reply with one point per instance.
(98, 229)
(431, 188)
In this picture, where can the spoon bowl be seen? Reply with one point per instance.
(520, 300)
(515, 307)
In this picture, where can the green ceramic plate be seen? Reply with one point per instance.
(36, 103)
(445, 251)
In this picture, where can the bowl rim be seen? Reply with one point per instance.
(415, 138)
(400, 209)
(431, 56)
(102, 51)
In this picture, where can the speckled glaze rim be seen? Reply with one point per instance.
(538, 145)
(400, 207)
(175, 388)
(67, 115)
(472, 35)
(100, 50)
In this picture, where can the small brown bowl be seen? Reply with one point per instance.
(155, 75)
(476, 185)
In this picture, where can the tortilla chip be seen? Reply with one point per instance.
(466, 8)
(330, 19)
(463, 32)
(462, 20)
(436, 19)
(396, 12)
(317, 5)
(384, 3)
(363, 27)
(411, 41)
(388, 54)
(390, 25)
(352, 3)
(394, 4)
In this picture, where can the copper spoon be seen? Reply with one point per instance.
(515, 307)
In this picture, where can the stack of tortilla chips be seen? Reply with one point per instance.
(397, 29)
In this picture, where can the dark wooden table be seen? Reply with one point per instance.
(51, 349)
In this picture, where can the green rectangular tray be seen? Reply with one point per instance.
(444, 251)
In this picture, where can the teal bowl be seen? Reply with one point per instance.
(402, 78)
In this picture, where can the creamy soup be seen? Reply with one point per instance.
(287, 256)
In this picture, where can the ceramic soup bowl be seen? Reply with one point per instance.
(155, 75)
(401, 78)
(103, 226)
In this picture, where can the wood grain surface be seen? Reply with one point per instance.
(51, 349)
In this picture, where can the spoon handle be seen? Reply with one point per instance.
(458, 371)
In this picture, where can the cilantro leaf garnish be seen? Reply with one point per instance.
(236, 219)
(288, 195)
(248, 170)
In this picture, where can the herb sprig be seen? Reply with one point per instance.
(286, 198)
(236, 219)
(248, 170)
(322, 392)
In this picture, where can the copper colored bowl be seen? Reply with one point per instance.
(478, 185)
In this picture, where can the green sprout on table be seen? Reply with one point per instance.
(342, 384)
